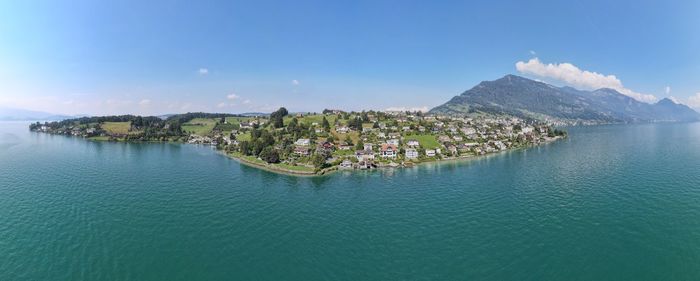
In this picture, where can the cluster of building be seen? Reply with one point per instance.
(413, 138)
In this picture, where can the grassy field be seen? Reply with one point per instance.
(200, 126)
(344, 152)
(354, 136)
(243, 137)
(121, 128)
(309, 119)
(238, 120)
(280, 166)
(295, 168)
(426, 141)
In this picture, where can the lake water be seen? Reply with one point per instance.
(609, 203)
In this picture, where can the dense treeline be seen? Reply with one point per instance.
(184, 118)
(148, 127)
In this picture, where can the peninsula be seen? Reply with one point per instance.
(317, 143)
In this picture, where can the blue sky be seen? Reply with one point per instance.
(95, 57)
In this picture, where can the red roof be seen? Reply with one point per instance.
(386, 146)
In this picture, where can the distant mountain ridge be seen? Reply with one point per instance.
(14, 114)
(522, 97)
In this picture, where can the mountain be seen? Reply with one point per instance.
(15, 114)
(522, 97)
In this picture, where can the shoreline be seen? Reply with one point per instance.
(280, 170)
(330, 170)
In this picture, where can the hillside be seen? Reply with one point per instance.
(522, 97)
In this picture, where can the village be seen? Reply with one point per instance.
(365, 140)
(317, 143)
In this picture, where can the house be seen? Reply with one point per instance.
(247, 124)
(301, 151)
(444, 138)
(457, 138)
(500, 145)
(394, 142)
(303, 142)
(528, 130)
(430, 153)
(345, 147)
(413, 143)
(381, 135)
(452, 149)
(411, 153)
(342, 130)
(346, 164)
(367, 146)
(364, 155)
(325, 147)
(389, 151)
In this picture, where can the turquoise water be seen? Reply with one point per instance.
(609, 203)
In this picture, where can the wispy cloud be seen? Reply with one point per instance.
(145, 102)
(574, 76)
(694, 101)
(667, 90)
(295, 82)
(203, 71)
(232, 97)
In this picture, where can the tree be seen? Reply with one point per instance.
(319, 160)
(348, 140)
(326, 125)
(270, 155)
(360, 145)
(277, 117)
(245, 147)
(292, 126)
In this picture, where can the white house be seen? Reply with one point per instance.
(303, 142)
(364, 155)
(394, 142)
(389, 151)
(411, 153)
(413, 143)
(367, 146)
(430, 153)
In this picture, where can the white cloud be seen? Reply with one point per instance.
(667, 90)
(246, 102)
(694, 101)
(533, 53)
(403, 108)
(232, 97)
(295, 82)
(145, 102)
(203, 71)
(221, 105)
(574, 76)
